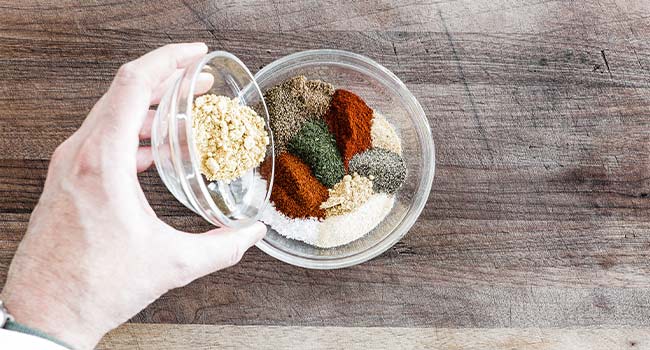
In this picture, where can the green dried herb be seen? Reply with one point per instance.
(316, 146)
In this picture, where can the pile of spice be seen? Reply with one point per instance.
(293, 103)
(229, 137)
(384, 136)
(296, 192)
(350, 120)
(347, 195)
(386, 168)
(317, 147)
(338, 163)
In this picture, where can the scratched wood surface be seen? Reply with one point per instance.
(176, 337)
(540, 111)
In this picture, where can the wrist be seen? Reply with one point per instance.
(49, 316)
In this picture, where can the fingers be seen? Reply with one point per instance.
(134, 85)
(203, 84)
(217, 249)
(160, 90)
(145, 130)
(143, 158)
(155, 67)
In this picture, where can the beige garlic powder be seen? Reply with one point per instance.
(230, 138)
(347, 195)
(384, 135)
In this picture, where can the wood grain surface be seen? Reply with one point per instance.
(540, 111)
(173, 337)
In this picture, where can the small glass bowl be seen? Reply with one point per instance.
(235, 204)
(385, 93)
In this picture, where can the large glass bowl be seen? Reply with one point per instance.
(385, 93)
(233, 204)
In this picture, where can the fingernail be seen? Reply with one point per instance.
(260, 226)
(202, 46)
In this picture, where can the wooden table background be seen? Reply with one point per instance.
(536, 233)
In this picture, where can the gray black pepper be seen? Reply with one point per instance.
(387, 168)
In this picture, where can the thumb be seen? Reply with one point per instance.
(217, 249)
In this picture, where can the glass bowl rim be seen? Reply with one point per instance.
(428, 148)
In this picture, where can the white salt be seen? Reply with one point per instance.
(305, 230)
(336, 230)
(339, 230)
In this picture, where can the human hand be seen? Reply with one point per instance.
(95, 253)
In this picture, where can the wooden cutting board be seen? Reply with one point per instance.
(537, 226)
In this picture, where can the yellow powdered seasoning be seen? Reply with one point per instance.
(230, 138)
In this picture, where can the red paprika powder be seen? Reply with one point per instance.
(296, 191)
(350, 119)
